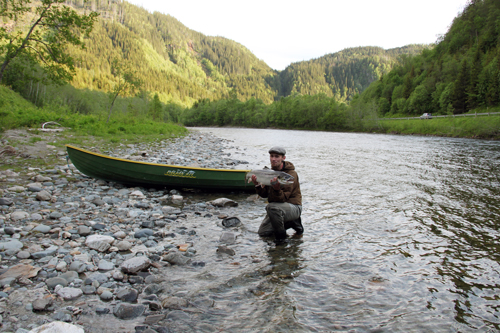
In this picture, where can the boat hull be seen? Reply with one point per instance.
(155, 175)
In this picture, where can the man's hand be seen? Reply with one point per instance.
(254, 180)
(275, 184)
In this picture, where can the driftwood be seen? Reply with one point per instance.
(8, 150)
(51, 129)
(43, 129)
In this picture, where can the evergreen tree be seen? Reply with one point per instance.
(460, 87)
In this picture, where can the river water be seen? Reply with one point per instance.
(401, 235)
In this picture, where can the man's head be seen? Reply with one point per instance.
(277, 156)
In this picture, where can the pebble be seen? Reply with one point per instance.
(129, 311)
(135, 264)
(101, 245)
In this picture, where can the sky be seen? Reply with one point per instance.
(281, 32)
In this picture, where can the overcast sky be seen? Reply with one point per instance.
(284, 31)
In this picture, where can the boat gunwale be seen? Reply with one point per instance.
(153, 164)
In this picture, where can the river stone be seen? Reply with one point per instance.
(144, 233)
(11, 245)
(120, 234)
(41, 179)
(45, 253)
(225, 250)
(153, 319)
(151, 279)
(152, 289)
(118, 276)
(134, 279)
(36, 217)
(99, 242)
(83, 230)
(6, 201)
(128, 311)
(35, 188)
(175, 258)
(150, 243)
(82, 257)
(99, 277)
(224, 202)
(62, 266)
(23, 255)
(53, 282)
(69, 276)
(135, 264)
(57, 327)
(55, 215)
(147, 224)
(17, 189)
(19, 215)
(7, 282)
(230, 222)
(177, 199)
(40, 304)
(128, 295)
(123, 192)
(65, 219)
(88, 290)
(63, 315)
(42, 228)
(227, 238)
(61, 181)
(68, 293)
(101, 310)
(105, 265)
(106, 295)
(78, 266)
(98, 226)
(124, 246)
(43, 196)
(170, 210)
(98, 202)
(133, 213)
(144, 205)
(136, 194)
(177, 315)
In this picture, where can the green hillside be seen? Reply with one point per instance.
(179, 64)
(461, 73)
(343, 74)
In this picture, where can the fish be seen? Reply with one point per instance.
(264, 177)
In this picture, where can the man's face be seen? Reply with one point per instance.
(276, 161)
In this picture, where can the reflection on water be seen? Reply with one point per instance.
(401, 234)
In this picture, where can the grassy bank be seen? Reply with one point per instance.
(481, 127)
(16, 112)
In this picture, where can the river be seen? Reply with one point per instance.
(401, 235)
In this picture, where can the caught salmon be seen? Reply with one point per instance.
(265, 176)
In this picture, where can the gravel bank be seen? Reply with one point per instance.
(88, 255)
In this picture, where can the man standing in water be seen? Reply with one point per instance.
(285, 203)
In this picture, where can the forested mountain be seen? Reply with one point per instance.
(179, 64)
(461, 73)
(343, 74)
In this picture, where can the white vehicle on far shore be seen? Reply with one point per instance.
(426, 116)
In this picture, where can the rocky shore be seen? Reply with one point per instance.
(85, 255)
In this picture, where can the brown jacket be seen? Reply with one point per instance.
(290, 193)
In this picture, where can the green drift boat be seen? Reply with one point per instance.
(155, 175)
